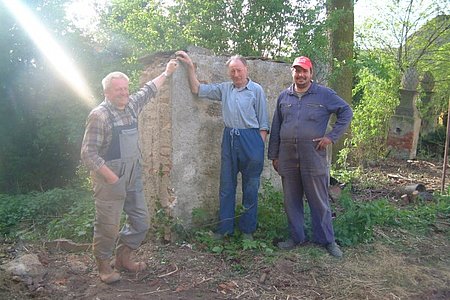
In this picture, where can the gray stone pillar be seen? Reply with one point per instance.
(181, 136)
(429, 117)
(404, 128)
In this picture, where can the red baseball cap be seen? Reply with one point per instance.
(303, 62)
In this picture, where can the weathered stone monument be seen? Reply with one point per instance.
(181, 135)
(429, 118)
(404, 127)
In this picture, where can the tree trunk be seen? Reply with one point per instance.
(341, 15)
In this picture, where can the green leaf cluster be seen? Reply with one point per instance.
(28, 216)
(42, 119)
(265, 28)
(357, 222)
(76, 224)
(411, 35)
(375, 97)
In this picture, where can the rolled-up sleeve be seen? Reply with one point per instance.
(143, 96)
(211, 91)
(93, 141)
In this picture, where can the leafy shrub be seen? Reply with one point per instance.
(28, 215)
(357, 220)
(77, 224)
(272, 221)
(433, 143)
(375, 97)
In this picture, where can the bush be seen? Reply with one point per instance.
(27, 216)
(272, 221)
(432, 144)
(77, 224)
(358, 220)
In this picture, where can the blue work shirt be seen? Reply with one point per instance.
(306, 118)
(242, 108)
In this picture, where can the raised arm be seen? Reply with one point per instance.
(187, 61)
(170, 68)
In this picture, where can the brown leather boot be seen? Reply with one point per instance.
(106, 273)
(124, 261)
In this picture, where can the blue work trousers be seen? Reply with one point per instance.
(242, 151)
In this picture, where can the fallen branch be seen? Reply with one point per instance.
(170, 273)
(398, 176)
(152, 292)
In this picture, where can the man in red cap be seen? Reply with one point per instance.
(297, 148)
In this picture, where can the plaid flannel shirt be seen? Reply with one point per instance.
(98, 133)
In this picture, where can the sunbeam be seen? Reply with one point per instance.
(61, 62)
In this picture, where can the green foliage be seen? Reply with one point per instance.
(417, 36)
(432, 144)
(201, 218)
(375, 101)
(438, 64)
(357, 221)
(42, 119)
(272, 221)
(272, 225)
(77, 224)
(27, 215)
(251, 28)
(232, 247)
(133, 28)
(346, 175)
(164, 224)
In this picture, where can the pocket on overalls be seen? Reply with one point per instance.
(129, 144)
(114, 192)
(116, 166)
(313, 162)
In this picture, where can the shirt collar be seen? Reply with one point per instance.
(312, 89)
(244, 87)
(112, 106)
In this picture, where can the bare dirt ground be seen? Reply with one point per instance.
(397, 266)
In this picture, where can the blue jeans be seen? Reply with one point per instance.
(242, 151)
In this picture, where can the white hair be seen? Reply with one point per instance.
(106, 82)
(236, 57)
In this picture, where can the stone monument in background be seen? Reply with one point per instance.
(405, 124)
(429, 117)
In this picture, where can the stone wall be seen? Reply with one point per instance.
(181, 135)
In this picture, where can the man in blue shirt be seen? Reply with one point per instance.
(244, 112)
(297, 148)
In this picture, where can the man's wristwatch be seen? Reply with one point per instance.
(165, 74)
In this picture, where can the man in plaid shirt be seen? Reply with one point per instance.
(111, 152)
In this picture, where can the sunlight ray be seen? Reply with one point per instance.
(55, 54)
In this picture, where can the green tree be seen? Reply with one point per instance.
(375, 97)
(42, 119)
(310, 34)
(413, 35)
(431, 47)
(395, 26)
(274, 29)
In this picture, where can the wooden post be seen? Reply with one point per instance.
(444, 167)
